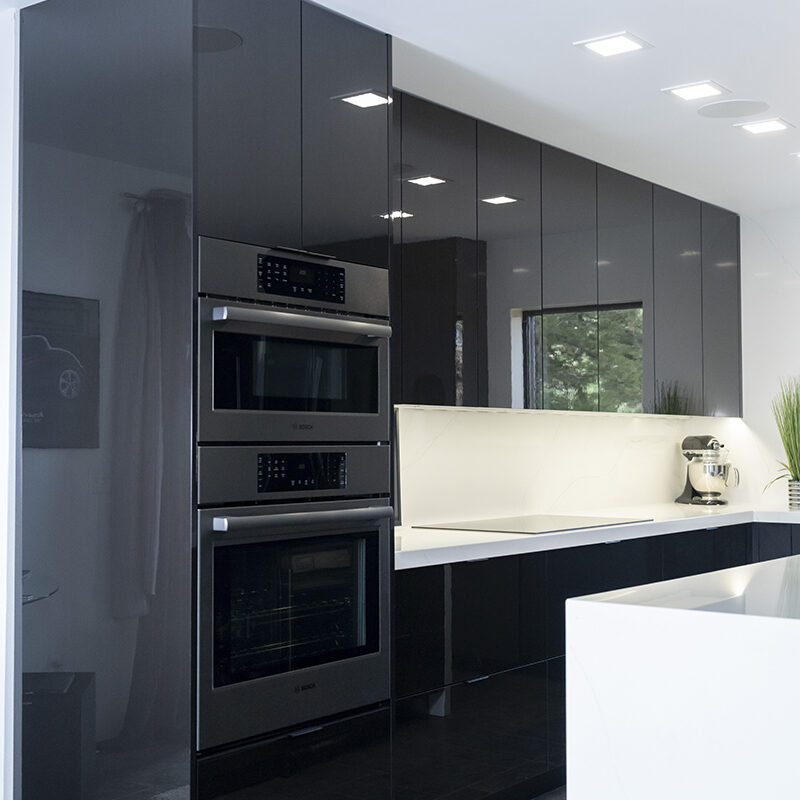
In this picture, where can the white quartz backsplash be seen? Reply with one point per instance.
(468, 463)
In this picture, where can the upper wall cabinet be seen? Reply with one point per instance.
(722, 366)
(345, 146)
(510, 230)
(247, 179)
(442, 301)
(581, 288)
(282, 158)
(569, 229)
(678, 303)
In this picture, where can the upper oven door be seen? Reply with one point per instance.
(278, 375)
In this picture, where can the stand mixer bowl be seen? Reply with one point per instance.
(710, 475)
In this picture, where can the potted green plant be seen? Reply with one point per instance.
(786, 409)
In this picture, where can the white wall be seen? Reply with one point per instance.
(770, 311)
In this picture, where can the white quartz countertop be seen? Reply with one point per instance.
(421, 547)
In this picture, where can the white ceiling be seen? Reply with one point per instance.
(512, 62)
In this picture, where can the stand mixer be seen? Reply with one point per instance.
(708, 474)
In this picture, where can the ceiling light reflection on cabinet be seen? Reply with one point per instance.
(396, 215)
(613, 44)
(764, 125)
(427, 180)
(696, 90)
(365, 99)
(499, 200)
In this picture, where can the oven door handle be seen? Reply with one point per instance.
(370, 514)
(269, 317)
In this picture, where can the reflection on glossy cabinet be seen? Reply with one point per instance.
(722, 361)
(678, 303)
(509, 167)
(248, 122)
(345, 156)
(474, 740)
(569, 229)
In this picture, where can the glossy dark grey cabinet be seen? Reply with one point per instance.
(342, 759)
(105, 247)
(498, 608)
(442, 294)
(418, 630)
(345, 148)
(577, 571)
(701, 551)
(282, 160)
(625, 264)
(557, 713)
(569, 229)
(509, 165)
(248, 181)
(474, 740)
(722, 351)
(678, 302)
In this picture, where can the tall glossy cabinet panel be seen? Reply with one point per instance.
(106, 273)
(442, 296)
(509, 167)
(624, 276)
(678, 303)
(722, 353)
(569, 229)
(248, 179)
(345, 147)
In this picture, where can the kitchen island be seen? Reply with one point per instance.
(686, 688)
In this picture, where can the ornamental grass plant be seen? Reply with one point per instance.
(786, 409)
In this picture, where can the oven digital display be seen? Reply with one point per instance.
(290, 278)
(297, 472)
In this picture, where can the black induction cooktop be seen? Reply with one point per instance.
(534, 523)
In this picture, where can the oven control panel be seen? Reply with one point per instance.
(298, 472)
(299, 279)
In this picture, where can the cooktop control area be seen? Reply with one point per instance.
(533, 523)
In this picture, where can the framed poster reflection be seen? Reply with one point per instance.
(60, 371)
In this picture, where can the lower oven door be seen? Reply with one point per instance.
(293, 615)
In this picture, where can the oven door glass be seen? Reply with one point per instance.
(271, 373)
(288, 604)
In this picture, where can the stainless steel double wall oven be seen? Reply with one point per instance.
(294, 521)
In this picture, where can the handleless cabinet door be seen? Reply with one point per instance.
(509, 167)
(248, 121)
(771, 540)
(569, 229)
(442, 286)
(678, 303)
(722, 363)
(345, 147)
(625, 290)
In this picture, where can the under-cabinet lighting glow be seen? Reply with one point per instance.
(427, 180)
(697, 90)
(614, 44)
(764, 125)
(500, 200)
(366, 99)
(396, 215)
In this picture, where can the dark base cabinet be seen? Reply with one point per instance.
(486, 738)
(346, 759)
(775, 540)
(557, 713)
(695, 552)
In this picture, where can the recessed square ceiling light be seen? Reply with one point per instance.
(697, 90)
(614, 44)
(764, 125)
(396, 215)
(366, 99)
(500, 200)
(427, 180)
